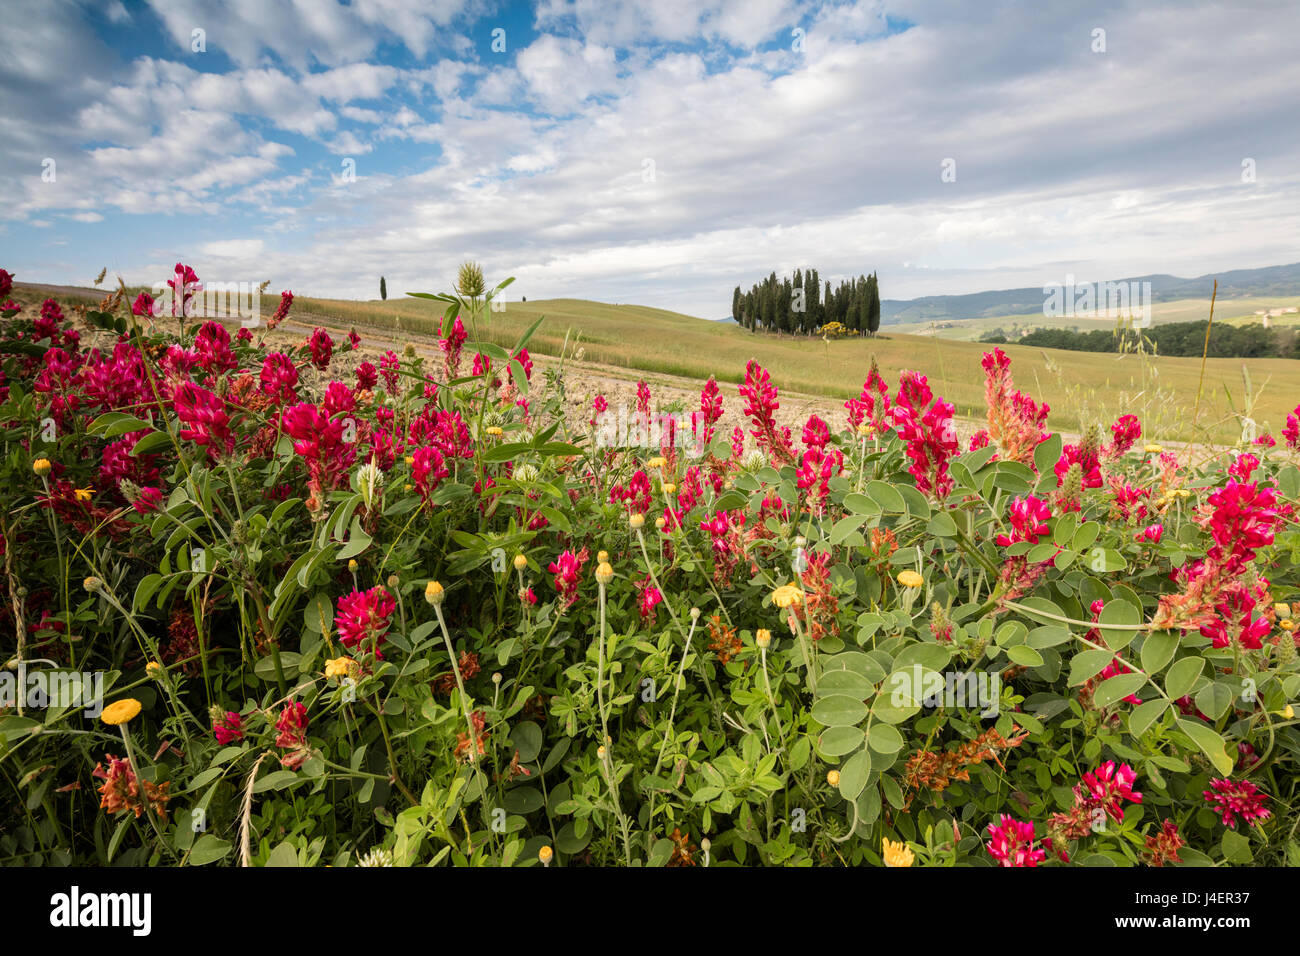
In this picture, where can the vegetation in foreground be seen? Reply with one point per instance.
(420, 616)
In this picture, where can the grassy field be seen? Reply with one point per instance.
(1082, 388)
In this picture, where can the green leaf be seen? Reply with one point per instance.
(527, 739)
(207, 849)
(887, 496)
(1211, 744)
(839, 741)
(1047, 454)
(1182, 677)
(854, 774)
(1144, 715)
(1123, 614)
(1088, 664)
(1025, 656)
(839, 710)
(884, 739)
(1158, 650)
(1117, 688)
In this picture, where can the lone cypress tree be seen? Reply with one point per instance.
(383, 289)
(735, 305)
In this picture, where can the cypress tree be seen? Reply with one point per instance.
(873, 305)
(383, 289)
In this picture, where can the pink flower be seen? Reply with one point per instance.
(761, 405)
(636, 496)
(367, 377)
(1235, 621)
(279, 377)
(1241, 522)
(1292, 430)
(427, 470)
(365, 616)
(228, 729)
(650, 599)
(6, 281)
(183, 285)
(292, 726)
(1243, 467)
(1152, 533)
(204, 415)
(567, 569)
(338, 398)
(1126, 430)
(1267, 440)
(709, 414)
(1086, 460)
(451, 347)
(929, 432)
(1106, 787)
(354, 340)
(598, 407)
(527, 596)
(1233, 799)
(1015, 420)
(388, 370)
(143, 305)
(1028, 521)
(322, 348)
(212, 343)
(282, 309)
(1011, 843)
(871, 407)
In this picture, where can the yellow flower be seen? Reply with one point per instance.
(787, 595)
(42, 466)
(84, 494)
(1154, 449)
(153, 669)
(636, 521)
(1286, 624)
(495, 431)
(520, 562)
(865, 430)
(544, 855)
(433, 593)
(1281, 610)
(763, 638)
(656, 462)
(604, 573)
(410, 459)
(1288, 712)
(669, 488)
(661, 522)
(352, 564)
(897, 854)
(120, 711)
(602, 557)
(1183, 493)
(910, 579)
(340, 667)
(833, 778)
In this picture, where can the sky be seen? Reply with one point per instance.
(658, 153)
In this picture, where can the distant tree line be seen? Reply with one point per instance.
(1175, 338)
(801, 305)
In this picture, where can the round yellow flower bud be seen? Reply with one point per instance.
(660, 523)
(520, 562)
(865, 430)
(763, 638)
(604, 573)
(602, 557)
(352, 565)
(637, 521)
(92, 583)
(545, 855)
(495, 431)
(433, 593)
(410, 459)
(656, 462)
(42, 466)
(910, 579)
(1286, 624)
(833, 778)
(120, 711)
(1154, 449)
(153, 669)
(669, 488)
(600, 751)
(787, 595)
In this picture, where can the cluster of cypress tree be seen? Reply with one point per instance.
(800, 305)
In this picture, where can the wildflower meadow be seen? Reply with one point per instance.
(414, 613)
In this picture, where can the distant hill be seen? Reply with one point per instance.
(1268, 281)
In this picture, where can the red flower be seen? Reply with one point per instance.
(6, 281)
(761, 406)
(1106, 787)
(1086, 460)
(1237, 799)
(427, 470)
(204, 415)
(367, 377)
(1292, 430)
(279, 377)
(364, 616)
(229, 728)
(321, 347)
(1012, 843)
(451, 347)
(281, 310)
(184, 284)
(1028, 521)
(143, 305)
(1235, 620)
(872, 406)
(212, 344)
(388, 370)
(650, 599)
(1126, 430)
(567, 569)
(292, 726)
(1152, 533)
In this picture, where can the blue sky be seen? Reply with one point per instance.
(653, 153)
